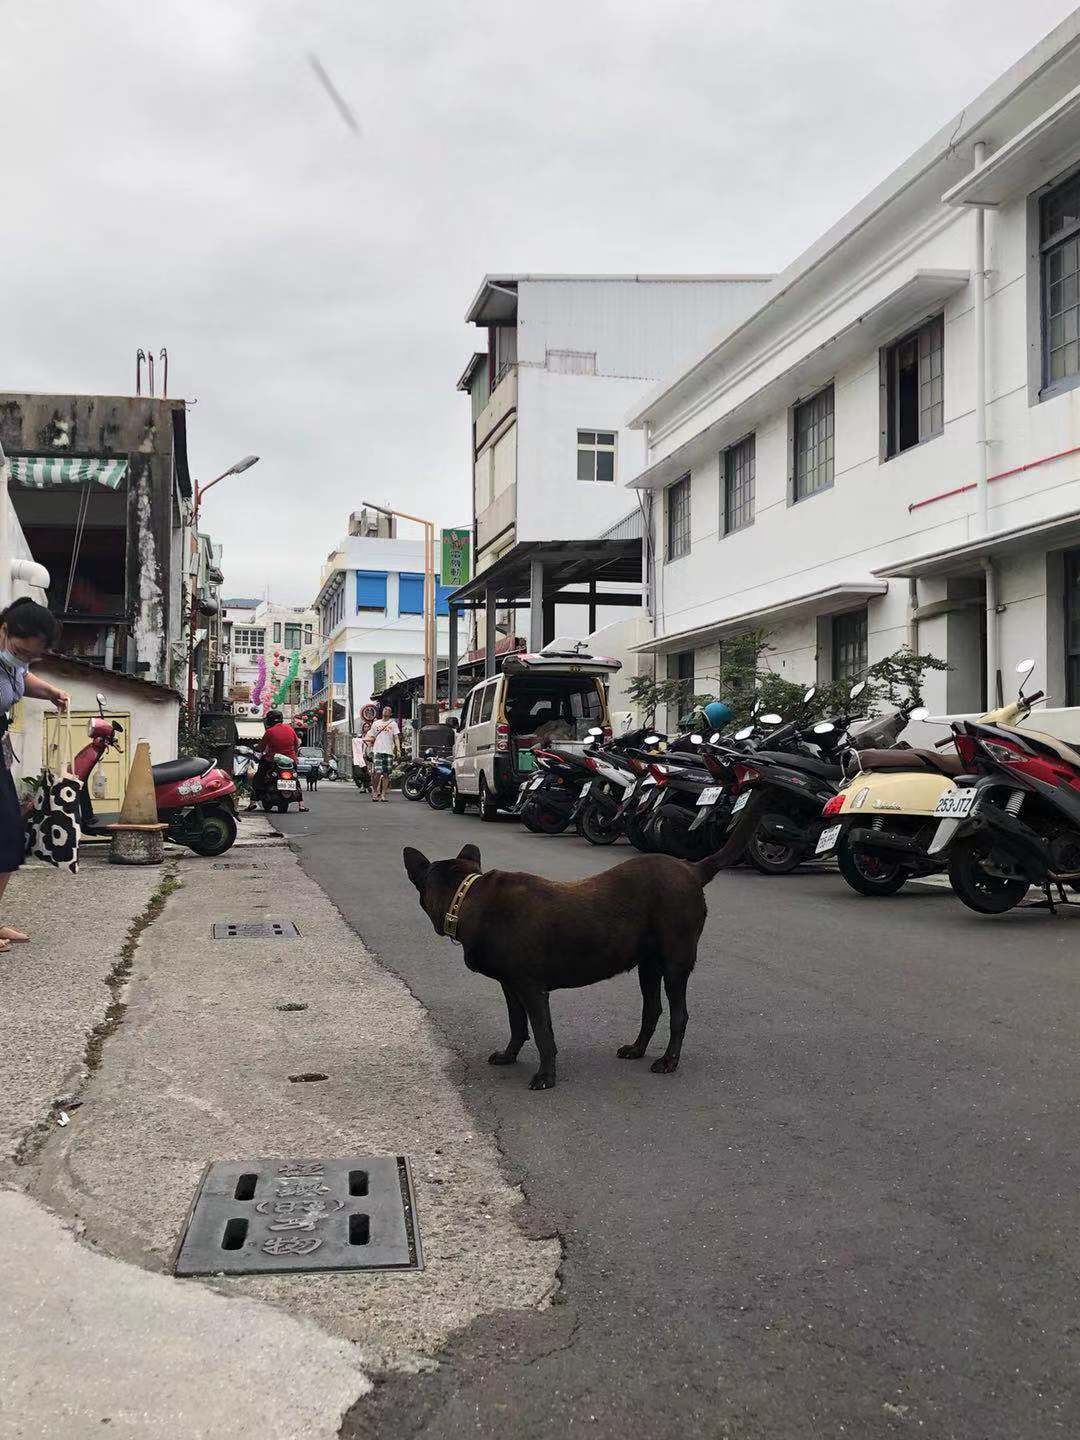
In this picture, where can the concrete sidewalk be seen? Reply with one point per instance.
(192, 1065)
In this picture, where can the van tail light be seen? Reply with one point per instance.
(502, 736)
(833, 806)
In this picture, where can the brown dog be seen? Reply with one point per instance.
(534, 935)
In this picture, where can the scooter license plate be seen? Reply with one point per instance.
(710, 795)
(827, 839)
(288, 785)
(954, 804)
(740, 802)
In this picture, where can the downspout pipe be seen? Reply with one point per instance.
(5, 533)
(982, 470)
(993, 679)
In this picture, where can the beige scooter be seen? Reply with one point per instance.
(887, 814)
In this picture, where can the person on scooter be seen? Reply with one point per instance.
(278, 739)
(27, 630)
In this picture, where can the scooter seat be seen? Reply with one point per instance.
(172, 770)
(937, 761)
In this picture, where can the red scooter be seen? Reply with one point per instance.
(194, 797)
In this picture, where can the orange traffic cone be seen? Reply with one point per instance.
(140, 807)
(137, 837)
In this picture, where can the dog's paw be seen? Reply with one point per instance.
(502, 1057)
(540, 1081)
(630, 1052)
(664, 1066)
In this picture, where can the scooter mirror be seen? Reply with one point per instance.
(919, 713)
(856, 690)
(825, 728)
(101, 698)
(756, 707)
(714, 737)
(652, 739)
(596, 731)
(589, 740)
(809, 695)
(745, 733)
(1025, 668)
(696, 740)
(770, 719)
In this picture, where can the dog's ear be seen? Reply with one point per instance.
(416, 866)
(470, 852)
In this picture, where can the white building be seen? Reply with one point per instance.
(260, 629)
(371, 616)
(567, 357)
(820, 471)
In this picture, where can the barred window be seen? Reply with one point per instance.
(1059, 233)
(248, 640)
(915, 379)
(678, 519)
(814, 445)
(739, 465)
(849, 654)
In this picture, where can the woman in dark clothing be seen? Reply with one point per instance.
(27, 630)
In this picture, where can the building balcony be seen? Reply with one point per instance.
(498, 517)
(503, 402)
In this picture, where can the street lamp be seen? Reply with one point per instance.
(200, 490)
(430, 641)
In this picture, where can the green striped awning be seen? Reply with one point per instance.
(38, 471)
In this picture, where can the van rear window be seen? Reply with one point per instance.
(553, 707)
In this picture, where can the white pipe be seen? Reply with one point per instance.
(982, 469)
(992, 637)
(912, 622)
(30, 573)
(5, 533)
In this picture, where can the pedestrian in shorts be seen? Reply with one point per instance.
(383, 738)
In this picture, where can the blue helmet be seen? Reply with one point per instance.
(718, 714)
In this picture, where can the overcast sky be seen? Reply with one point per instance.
(173, 174)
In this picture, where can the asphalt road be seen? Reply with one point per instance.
(854, 1211)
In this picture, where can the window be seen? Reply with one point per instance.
(307, 634)
(678, 518)
(1072, 627)
(849, 646)
(277, 634)
(1059, 237)
(813, 437)
(487, 703)
(371, 591)
(410, 594)
(292, 637)
(596, 455)
(248, 640)
(739, 463)
(915, 387)
(681, 666)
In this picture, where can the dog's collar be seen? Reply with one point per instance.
(453, 914)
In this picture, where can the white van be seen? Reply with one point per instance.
(556, 695)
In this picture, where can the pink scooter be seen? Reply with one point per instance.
(194, 797)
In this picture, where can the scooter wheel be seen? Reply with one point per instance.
(594, 829)
(217, 834)
(977, 887)
(543, 822)
(438, 797)
(282, 806)
(771, 857)
(867, 873)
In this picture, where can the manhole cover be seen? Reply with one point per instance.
(253, 930)
(239, 865)
(258, 1216)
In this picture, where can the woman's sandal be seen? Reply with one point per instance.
(8, 933)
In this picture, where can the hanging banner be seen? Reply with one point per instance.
(456, 568)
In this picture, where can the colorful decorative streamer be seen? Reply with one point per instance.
(260, 680)
(290, 676)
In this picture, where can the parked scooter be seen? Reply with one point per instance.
(194, 797)
(548, 801)
(609, 797)
(416, 781)
(1013, 820)
(788, 789)
(440, 784)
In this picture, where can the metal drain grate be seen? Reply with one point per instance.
(253, 930)
(239, 865)
(269, 1216)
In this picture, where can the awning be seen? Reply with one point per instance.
(1055, 532)
(887, 319)
(1042, 148)
(38, 471)
(842, 595)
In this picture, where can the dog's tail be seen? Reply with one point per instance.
(730, 853)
